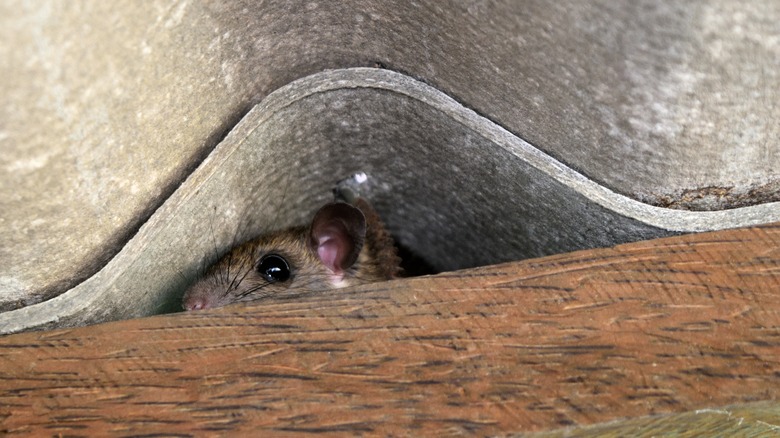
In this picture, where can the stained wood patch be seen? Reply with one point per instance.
(652, 327)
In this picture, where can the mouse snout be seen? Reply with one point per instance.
(196, 303)
(196, 299)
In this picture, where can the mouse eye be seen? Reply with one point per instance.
(273, 268)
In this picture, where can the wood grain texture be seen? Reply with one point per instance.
(663, 326)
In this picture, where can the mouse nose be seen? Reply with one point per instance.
(195, 303)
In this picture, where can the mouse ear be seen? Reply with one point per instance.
(336, 235)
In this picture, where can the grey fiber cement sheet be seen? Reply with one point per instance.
(758, 419)
(107, 107)
(453, 186)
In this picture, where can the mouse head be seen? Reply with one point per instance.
(322, 256)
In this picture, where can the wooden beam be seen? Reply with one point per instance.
(662, 326)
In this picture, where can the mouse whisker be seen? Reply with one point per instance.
(233, 286)
(252, 290)
(226, 273)
(236, 283)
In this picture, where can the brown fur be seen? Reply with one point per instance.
(380, 245)
(234, 279)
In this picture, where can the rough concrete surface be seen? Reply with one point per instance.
(565, 120)
(747, 420)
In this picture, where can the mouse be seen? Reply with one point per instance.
(345, 244)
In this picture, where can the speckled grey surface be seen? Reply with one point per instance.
(760, 419)
(454, 187)
(107, 108)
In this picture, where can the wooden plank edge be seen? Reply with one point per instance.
(665, 326)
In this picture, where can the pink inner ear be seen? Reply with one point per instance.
(336, 235)
(328, 250)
